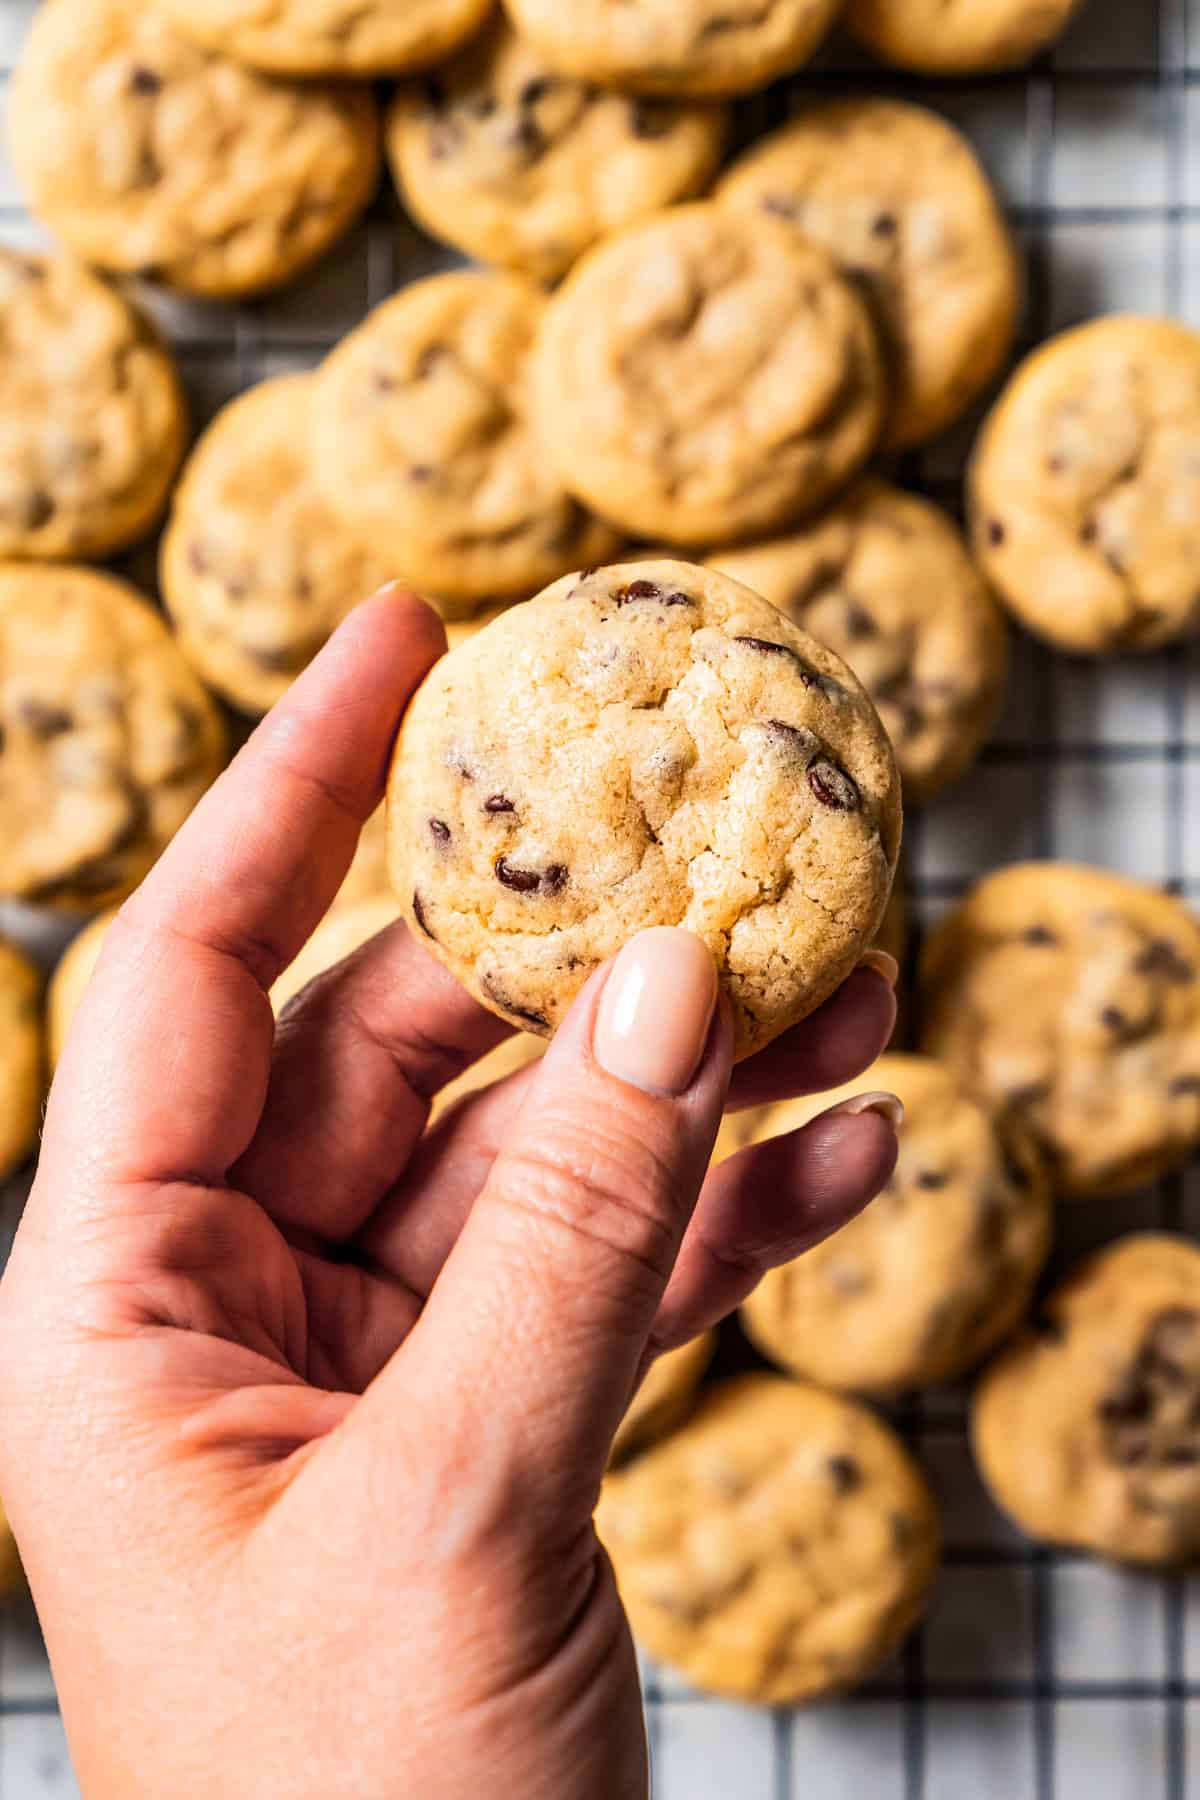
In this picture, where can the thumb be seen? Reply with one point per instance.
(534, 1333)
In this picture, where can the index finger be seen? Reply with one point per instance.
(167, 1067)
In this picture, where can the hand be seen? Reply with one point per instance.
(305, 1412)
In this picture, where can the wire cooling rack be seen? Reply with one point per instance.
(1038, 1676)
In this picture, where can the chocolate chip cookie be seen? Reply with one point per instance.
(21, 1076)
(256, 570)
(1085, 486)
(650, 744)
(497, 154)
(899, 199)
(107, 739)
(150, 155)
(937, 1270)
(422, 443)
(94, 415)
(701, 47)
(1087, 1430)
(777, 1548)
(1069, 998)
(885, 580)
(665, 1396)
(707, 375)
(329, 37)
(958, 37)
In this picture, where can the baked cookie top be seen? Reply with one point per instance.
(707, 375)
(422, 442)
(1069, 998)
(899, 199)
(1084, 487)
(884, 579)
(21, 1048)
(1087, 1429)
(958, 37)
(256, 570)
(94, 415)
(701, 47)
(644, 745)
(329, 37)
(498, 154)
(152, 155)
(936, 1270)
(776, 1548)
(107, 739)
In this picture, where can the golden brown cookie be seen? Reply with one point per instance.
(899, 199)
(514, 164)
(958, 37)
(150, 155)
(107, 739)
(22, 1078)
(367, 874)
(329, 37)
(777, 1548)
(665, 1395)
(1069, 998)
(936, 1270)
(1087, 1429)
(700, 47)
(94, 418)
(645, 745)
(256, 571)
(707, 375)
(422, 443)
(1084, 487)
(885, 580)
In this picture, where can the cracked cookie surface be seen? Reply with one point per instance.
(650, 744)
(422, 443)
(94, 418)
(899, 199)
(257, 572)
(884, 579)
(1087, 1429)
(958, 37)
(1069, 998)
(707, 375)
(330, 37)
(1084, 487)
(107, 739)
(936, 1270)
(776, 1548)
(151, 155)
(699, 47)
(22, 1082)
(511, 162)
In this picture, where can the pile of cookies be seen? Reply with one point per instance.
(684, 372)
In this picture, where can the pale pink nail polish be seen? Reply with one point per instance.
(655, 1011)
(888, 1106)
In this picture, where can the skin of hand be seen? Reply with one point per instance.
(305, 1410)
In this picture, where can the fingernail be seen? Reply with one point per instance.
(888, 1106)
(882, 963)
(655, 1011)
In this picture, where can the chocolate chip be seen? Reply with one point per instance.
(845, 1473)
(996, 533)
(145, 81)
(932, 1179)
(538, 1021)
(903, 1530)
(536, 90)
(832, 786)
(1150, 1415)
(795, 739)
(419, 915)
(1113, 1019)
(650, 119)
(779, 206)
(498, 803)
(42, 720)
(812, 678)
(859, 623)
(550, 880)
(421, 473)
(278, 661)
(1018, 1175)
(481, 106)
(527, 135)
(1040, 936)
(440, 830)
(991, 1230)
(1163, 959)
(1185, 1084)
(1029, 1095)
(428, 361)
(884, 225)
(198, 558)
(38, 509)
(641, 589)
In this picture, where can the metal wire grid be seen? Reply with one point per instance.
(945, 1722)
